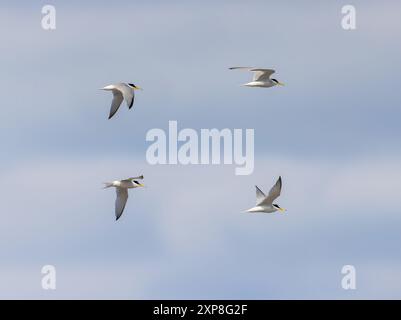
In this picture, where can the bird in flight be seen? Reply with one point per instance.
(265, 203)
(261, 77)
(121, 91)
(122, 187)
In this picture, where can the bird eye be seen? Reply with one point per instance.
(131, 84)
(136, 182)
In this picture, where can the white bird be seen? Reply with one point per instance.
(121, 91)
(122, 187)
(261, 77)
(265, 203)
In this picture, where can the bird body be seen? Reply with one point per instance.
(265, 203)
(121, 91)
(264, 209)
(123, 184)
(260, 84)
(261, 77)
(122, 187)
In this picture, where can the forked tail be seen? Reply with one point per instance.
(107, 185)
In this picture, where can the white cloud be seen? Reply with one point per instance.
(187, 223)
(191, 205)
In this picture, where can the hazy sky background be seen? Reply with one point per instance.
(333, 133)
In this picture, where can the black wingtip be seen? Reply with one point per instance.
(131, 103)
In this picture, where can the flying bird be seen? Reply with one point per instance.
(261, 77)
(121, 91)
(265, 203)
(122, 187)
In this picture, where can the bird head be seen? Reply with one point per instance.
(277, 82)
(278, 208)
(137, 184)
(134, 86)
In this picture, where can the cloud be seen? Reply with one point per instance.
(188, 223)
(331, 133)
(180, 54)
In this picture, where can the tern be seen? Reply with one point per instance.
(122, 187)
(121, 91)
(265, 203)
(261, 77)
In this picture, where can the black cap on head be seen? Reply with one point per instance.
(132, 85)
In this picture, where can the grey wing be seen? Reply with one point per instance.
(241, 68)
(121, 201)
(260, 196)
(274, 192)
(259, 73)
(115, 104)
(128, 94)
(262, 74)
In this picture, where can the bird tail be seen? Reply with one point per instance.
(110, 87)
(107, 185)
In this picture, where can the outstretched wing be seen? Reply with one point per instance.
(274, 193)
(260, 196)
(260, 74)
(121, 201)
(115, 104)
(128, 94)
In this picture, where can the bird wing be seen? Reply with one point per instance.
(128, 94)
(260, 196)
(242, 68)
(262, 74)
(121, 201)
(115, 104)
(274, 193)
(259, 73)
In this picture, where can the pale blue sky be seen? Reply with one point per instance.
(332, 132)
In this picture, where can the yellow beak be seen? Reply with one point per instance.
(138, 88)
(281, 84)
(141, 185)
(282, 209)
